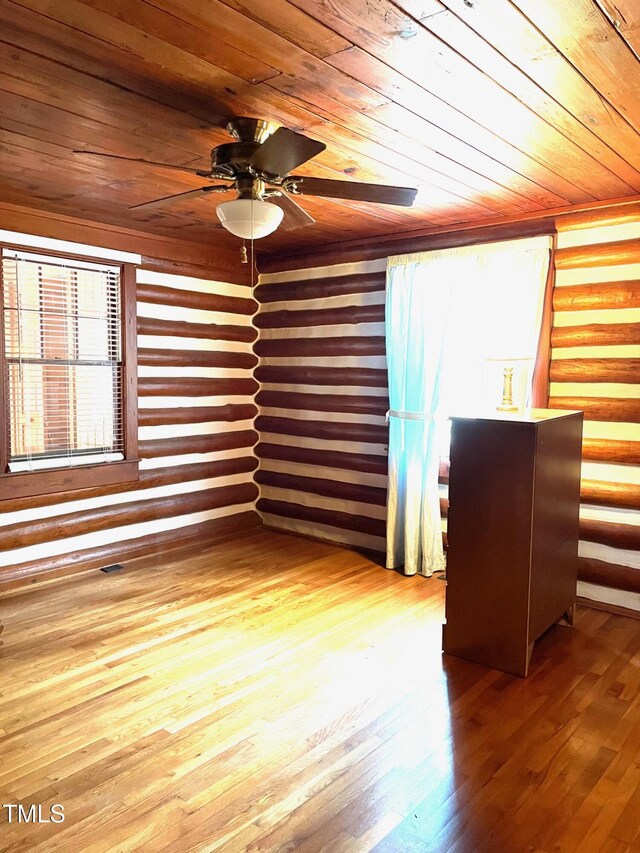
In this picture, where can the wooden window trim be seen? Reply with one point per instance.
(27, 484)
(542, 364)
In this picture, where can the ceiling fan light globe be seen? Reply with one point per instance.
(249, 218)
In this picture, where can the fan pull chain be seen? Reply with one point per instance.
(243, 254)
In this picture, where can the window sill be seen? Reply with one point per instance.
(29, 484)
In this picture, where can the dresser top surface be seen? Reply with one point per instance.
(525, 416)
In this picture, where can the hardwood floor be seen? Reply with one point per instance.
(278, 694)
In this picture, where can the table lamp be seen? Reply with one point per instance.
(508, 362)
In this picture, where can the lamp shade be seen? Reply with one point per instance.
(249, 218)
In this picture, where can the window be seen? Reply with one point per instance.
(451, 314)
(68, 372)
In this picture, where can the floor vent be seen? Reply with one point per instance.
(116, 567)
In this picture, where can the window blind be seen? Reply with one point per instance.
(63, 359)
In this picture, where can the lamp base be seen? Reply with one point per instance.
(507, 391)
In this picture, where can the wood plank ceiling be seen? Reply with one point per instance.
(490, 107)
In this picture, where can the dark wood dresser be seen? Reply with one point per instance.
(514, 496)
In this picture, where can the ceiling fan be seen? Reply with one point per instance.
(257, 166)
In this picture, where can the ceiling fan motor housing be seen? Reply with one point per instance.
(233, 156)
(249, 129)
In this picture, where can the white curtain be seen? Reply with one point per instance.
(447, 312)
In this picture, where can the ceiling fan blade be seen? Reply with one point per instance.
(189, 194)
(201, 172)
(377, 193)
(294, 215)
(283, 151)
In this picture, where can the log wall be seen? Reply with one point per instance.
(595, 366)
(323, 397)
(322, 402)
(196, 439)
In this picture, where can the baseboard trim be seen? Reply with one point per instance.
(372, 553)
(608, 608)
(194, 536)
